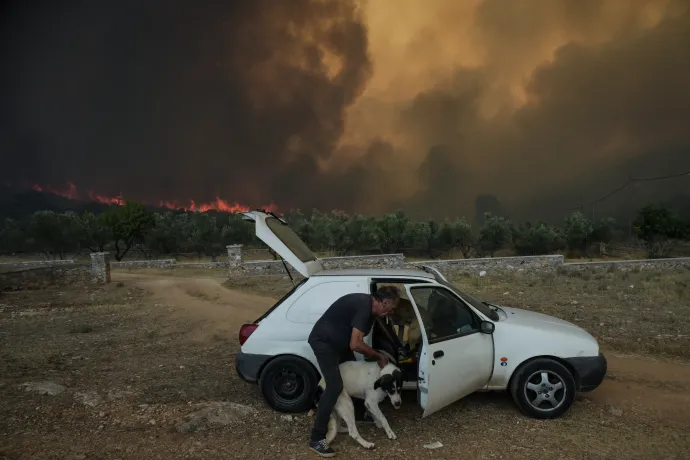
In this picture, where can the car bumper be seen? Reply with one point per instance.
(249, 365)
(590, 371)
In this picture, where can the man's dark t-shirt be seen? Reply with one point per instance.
(335, 326)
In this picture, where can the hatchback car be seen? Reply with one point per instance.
(447, 342)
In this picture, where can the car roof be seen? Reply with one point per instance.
(391, 272)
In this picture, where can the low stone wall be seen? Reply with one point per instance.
(276, 267)
(16, 276)
(9, 266)
(163, 263)
(204, 265)
(527, 264)
(368, 261)
(237, 266)
(41, 277)
(630, 265)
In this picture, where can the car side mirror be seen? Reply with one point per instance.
(487, 327)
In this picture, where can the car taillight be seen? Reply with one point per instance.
(245, 331)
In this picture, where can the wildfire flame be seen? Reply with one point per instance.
(71, 192)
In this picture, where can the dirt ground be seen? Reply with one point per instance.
(127, 367)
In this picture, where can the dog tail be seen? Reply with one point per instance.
(315, 402)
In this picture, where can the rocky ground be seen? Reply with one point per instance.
(144, 368)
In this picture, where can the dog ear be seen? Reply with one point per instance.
(381, 381)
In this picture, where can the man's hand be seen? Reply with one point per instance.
(382, 361)
(357, 344)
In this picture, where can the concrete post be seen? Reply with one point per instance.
(235, 255)
(100, 267)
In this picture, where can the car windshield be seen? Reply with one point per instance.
(476, 303)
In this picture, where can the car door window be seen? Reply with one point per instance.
(448, 316)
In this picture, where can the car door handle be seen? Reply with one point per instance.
(438, 354)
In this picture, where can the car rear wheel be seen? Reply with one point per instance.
(543, 388)
(288, 384)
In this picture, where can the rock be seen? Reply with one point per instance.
(615, 411)
(433, 445)
(44, 388)
(118, 394)
(214, 413)
(88, 398)
(287, 418)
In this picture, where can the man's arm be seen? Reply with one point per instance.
(357, 344)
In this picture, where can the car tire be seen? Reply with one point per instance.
(288, 384)
(538, 383)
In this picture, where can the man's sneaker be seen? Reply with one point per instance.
(321, 448)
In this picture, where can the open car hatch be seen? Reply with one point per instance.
(277, 234)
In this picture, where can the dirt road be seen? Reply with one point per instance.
(166, 347)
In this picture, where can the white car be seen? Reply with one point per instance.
(461, 344)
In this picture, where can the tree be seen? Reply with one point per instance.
(93, 231)
(659, 227)
(207, 236)
(458, 234)
(536, 239)
(171, 234)
(392, 231)
(577, 230)
(238, 231)
(494, 234)
(602, 231)
(128, 224)
(53, 233)
(12, 236)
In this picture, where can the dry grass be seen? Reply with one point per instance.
(146, 367)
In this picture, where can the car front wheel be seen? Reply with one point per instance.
(543, 388)
(288, 384)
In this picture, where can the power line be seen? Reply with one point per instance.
(630, 181)
(672, 176)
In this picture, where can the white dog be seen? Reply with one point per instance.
(364, 380)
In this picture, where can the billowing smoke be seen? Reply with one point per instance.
(174, 100)
(361, 105)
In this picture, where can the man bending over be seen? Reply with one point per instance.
(335, 337)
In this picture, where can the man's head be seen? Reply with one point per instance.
(385, 299)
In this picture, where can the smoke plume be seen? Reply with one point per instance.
(361, 105)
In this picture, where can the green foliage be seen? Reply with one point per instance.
(53, 233)
(458, 235)
(603, 231)
(537, 239)
(659, 228)
(128, 224)
(12, 236)
(93, 232)
(174, 233)
(494, 234)
(577, 230)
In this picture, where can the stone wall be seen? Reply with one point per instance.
(631, 265)
(163, 263)
(237, 266)
(276, 267)
(41, 274)
(529, 264)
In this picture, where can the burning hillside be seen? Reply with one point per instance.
(70, 191)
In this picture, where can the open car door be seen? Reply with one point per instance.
(278, 235)
(457, 347)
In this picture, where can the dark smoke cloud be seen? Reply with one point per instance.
(176, 100)
(617, 89)
(356, 105)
